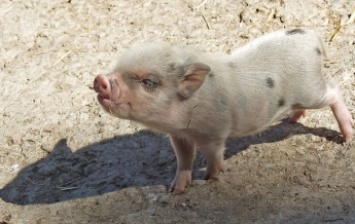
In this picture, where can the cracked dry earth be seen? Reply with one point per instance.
(64, 160)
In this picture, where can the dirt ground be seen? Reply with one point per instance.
(64, 160)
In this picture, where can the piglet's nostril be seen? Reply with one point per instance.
(104, 86)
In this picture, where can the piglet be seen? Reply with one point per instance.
(201, 99)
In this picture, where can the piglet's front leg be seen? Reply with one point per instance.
(185, 154)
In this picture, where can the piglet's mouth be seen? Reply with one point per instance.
(103, 97)
(107, 102)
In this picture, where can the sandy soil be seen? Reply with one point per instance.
(64, 160)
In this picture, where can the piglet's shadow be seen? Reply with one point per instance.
(140, 159)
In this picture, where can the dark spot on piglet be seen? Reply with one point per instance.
(295, 31)
(318, 51)
(281, 102)
(211, 75)
(270, 82)
(221, 103)
(171, 67)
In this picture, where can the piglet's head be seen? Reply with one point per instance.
(149, 83)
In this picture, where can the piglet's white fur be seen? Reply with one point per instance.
(201, 99)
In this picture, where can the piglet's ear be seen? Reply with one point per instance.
(194, 75)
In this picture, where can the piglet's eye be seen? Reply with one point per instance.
(148, 84)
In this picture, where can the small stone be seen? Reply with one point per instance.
(46, 146)
(158, 198)
(199, 182)
(163, 198)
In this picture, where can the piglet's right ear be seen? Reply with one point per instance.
(194, 75)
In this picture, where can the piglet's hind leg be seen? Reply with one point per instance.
(214, 153)
(341, 113)
(332, 98)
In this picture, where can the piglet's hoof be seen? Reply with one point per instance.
(181, 181)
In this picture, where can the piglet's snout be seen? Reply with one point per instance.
(103, 86)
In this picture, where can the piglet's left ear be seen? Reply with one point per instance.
(194, 75)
